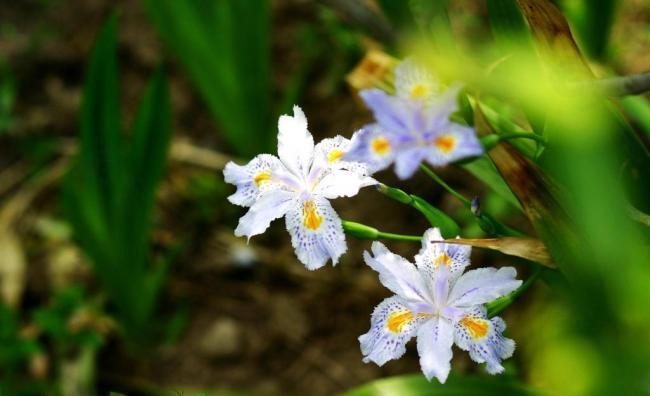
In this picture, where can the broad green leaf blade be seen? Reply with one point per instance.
(436, 217)
(398, 12)
(150, 138)
(483, 169)
(593, 22)
(507, 23)
(638, 108)
(224, 46)
(417, 385)
(100, 149)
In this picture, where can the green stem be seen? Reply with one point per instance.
(497, 306)
(446, 186)
(363, 231)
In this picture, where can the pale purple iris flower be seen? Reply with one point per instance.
(440, 305)
(412, 126)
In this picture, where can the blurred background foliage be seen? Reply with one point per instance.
(118, 268)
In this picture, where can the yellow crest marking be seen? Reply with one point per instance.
(445, 143)
(476, 327)
(310, 216)
(380, 145)
(419, 91)
(334, 155)
(443, 259)
(262, 177)
(397, 320)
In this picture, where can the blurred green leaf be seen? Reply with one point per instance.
(224, 46)
(109, 192)
(508, 25)
(398, 12)
(146, 160)
(7, 97)
(417, 385)
(593, 22)
(638, 108)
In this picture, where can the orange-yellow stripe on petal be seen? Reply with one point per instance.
(380, 145)
(397, 320)
(442, 259)
(419, 91)
(445, 143)
(477, 328)
(334, 155)
(310, 216)
(262, 177)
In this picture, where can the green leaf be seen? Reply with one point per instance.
(593, 22)
(100, 147)
(435, 216)
(483, 169)
(147, 154)
(224, 46)
(638, 108)
(417, 385)
(398, 13)
(508, 25)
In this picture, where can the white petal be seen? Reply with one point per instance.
(316, 232)
(483, 285)
(342, 183)
(295, 143)
(432, 255)
(331, 154)
(483, 339)
(397, 274)
(251, 178)
(392, 325)
(269, 206)
(435, 339)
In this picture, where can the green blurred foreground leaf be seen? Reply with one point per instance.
(110, 190)
(417, 385)
(224, 46)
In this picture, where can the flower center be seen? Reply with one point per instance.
(262, 177)
(380, 145)
(310, 216)
(476, 327)
(419, 91)
(397, 320)
(334, 155)
(445, 143)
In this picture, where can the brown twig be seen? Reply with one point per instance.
(634, 84)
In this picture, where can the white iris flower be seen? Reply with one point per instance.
(440, 305)
(298, 186)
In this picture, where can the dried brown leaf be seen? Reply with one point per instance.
(553, 35)
(527, 248)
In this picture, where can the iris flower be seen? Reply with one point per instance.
(439, 305)
(412, 126)
(298, 186)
